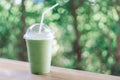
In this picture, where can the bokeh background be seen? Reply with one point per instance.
(87, 32)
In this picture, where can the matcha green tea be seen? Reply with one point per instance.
(39, 47)
(39, 39)
(39, 54)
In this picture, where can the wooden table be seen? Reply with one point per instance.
(16, 70)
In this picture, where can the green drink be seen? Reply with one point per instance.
(39, 53)
(39, 46)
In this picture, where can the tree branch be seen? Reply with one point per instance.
(76, 46)
(23, 25)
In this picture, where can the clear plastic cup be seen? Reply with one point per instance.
(39, 46)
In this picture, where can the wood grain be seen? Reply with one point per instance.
(16, 70)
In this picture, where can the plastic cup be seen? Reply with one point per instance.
(39, 46)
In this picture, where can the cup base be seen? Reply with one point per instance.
(40, 73)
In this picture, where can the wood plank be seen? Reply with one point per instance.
(17, 70)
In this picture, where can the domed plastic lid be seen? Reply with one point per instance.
(34, 34)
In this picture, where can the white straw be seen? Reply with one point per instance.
(43, 14)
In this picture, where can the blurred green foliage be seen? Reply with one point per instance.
(97, 24)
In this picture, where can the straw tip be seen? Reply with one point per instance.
(57, 3)
(62, 2)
